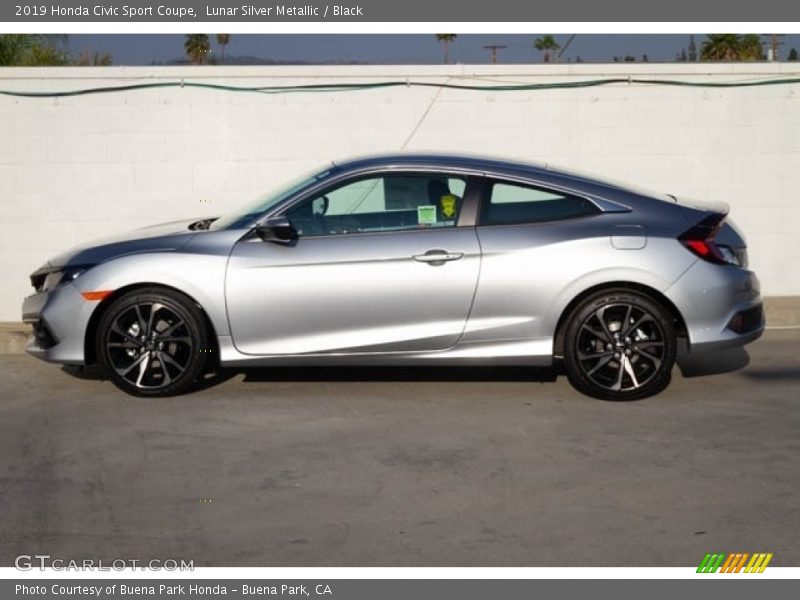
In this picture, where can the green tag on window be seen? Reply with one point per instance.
(426, 215)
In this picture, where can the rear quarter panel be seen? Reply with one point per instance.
(530, 273)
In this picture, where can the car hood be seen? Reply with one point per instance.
(162, 237)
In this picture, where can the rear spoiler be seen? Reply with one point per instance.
(703, 205)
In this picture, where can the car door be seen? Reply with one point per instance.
(385, 262)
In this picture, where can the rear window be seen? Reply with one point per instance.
(509, 203)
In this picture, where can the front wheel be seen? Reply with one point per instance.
(153, 342)
(620, 345)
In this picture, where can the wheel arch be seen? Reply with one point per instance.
(652, 293)
(89, 350)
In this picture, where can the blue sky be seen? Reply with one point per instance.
(142, 49)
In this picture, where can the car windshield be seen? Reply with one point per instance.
(245, 216)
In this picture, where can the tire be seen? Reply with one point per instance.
(605, 359)
(153, 342)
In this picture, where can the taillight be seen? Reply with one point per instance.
(707, 250)
(700, 241)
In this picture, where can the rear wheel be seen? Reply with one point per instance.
(620, 345)
(153, 342)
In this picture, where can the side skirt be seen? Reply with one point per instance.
(538, 352)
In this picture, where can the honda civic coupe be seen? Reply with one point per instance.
(409, 259)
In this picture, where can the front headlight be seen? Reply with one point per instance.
(65, 275)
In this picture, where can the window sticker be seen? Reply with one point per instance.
(426, 214)
(448, 203)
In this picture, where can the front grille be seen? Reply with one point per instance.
(44, 337)
(747, 320)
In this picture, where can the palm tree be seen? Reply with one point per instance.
(730, 46)
(720, 46)
(197, 47)
(446, 38)
(546, 44)
(223, 39)
(750, 47)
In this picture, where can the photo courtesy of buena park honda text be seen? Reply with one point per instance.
(399, 300)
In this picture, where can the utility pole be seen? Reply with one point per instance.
(494, 48)
(774, 42)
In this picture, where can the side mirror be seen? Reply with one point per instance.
(277, 230)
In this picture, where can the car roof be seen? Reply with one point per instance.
(439, 159)
(478, 164)
(536, 171)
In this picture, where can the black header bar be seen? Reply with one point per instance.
(420, 11)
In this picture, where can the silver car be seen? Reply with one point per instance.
(409, 259)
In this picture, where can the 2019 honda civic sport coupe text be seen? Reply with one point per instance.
(409, 259)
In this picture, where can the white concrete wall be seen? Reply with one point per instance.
(73, 169)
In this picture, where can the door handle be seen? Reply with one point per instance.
(437, 258)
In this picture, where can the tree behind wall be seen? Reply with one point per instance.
(223, 39)
(88, 59)
(750, 47)
(446, 39)
(546, 45)
(732, 47)
(197, 46)
(22, 50)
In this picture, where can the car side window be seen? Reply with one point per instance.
(509, 203)
(388, 202)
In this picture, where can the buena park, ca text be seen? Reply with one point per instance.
(173, 590)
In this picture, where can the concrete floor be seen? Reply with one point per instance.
(463, 467)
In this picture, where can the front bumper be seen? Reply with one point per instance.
(721, 306)
(59, 319)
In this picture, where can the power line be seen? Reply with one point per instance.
(565, 46)
(352, 87)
